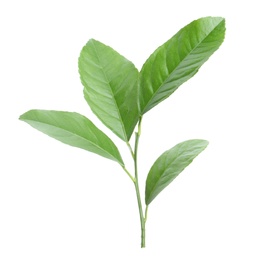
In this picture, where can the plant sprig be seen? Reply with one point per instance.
(119, 95)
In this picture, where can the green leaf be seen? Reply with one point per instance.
(110, 87)
(169, 165)
(178, 60)
(73, 129)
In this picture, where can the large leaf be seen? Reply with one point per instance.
(110, 87)
(73, 129)
(178, 60)
(169, 165)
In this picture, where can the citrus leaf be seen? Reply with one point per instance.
(169, 165)
(73, 129)
(178, 60)
(110, 87)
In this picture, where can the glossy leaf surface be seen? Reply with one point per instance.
(169, 165)
(73, 129)
(178, 60)
(110, 87)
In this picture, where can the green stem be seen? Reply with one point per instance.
(146, 213)
(136, 183)
(132, 178)
(131, 151)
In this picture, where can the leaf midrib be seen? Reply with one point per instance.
(81, 137)
(108, 82)
(164, 82)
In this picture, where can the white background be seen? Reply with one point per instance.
(59, 202)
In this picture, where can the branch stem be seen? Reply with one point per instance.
(135, 180)
(142, 219)
(131, 151)
(132, 178)
(146, 213)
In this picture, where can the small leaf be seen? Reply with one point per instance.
(110, 87)
(178, 60)
(169, 165)
(73, 129)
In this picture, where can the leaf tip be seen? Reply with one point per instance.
(22, 116)
(204, 143)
